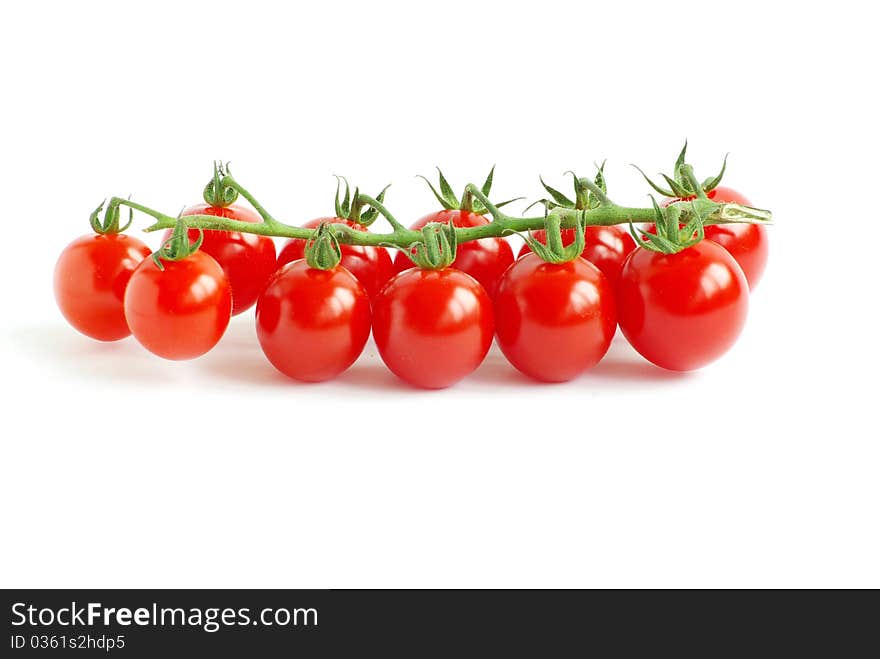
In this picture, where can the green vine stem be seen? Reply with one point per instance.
(608, 213)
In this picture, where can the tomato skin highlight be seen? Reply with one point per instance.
(433, 327)
(748, 243)
(554, 320)
(247, 259)
(485, 260)
(371, 266)
(682, 311)
(313, 324)
(181, 312)
(604, 247)
(90, 279)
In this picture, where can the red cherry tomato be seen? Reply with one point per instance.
(313, 324)
(371, 266)
(554, 321)
(433, 327)
(747, 243)
(182, 311)
(604, 247)
(485, 260)
(90, 279)
(682, 311)
(247, 259)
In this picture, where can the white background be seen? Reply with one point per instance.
(121, 470)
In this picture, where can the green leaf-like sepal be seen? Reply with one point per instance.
(215, 193)
(351, 206)
(681, 185)
(468, 203)
(672, 235)
(554, 251)
(587, 194)
(436, 249)
(322, 250)
(178, 246)
(110, 223)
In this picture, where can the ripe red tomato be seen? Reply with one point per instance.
(747, 243)
(485, 260)
(182, 311)
(247, 259)
(554, 320)
(682, 311)
(433, 327)
(604, 247)
(90, 279)
(312, 324)
(371, 266)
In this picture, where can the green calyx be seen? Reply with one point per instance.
(587, 194)
(351, 206)
(554, 251)
(467, 203)
(215, 193)
(678, 226)
(323, 251)
(682, 185)
(436, 249)
(178, 246)
(110, 223)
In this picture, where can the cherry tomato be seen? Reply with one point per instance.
(313, 324)
(247, 259)
(604, 247)
(554, 320)
(747, 243)
(682, 311)
(485, 260)
(371, 266)
(433, 327)
(90, 279)
(182, 311)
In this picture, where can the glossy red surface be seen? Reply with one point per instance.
(90, 279)
(180, 312)
(682, 311)
(433, 327)
(313, 324)
(554, 321)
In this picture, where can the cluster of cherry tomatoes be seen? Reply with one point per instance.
(552, 321)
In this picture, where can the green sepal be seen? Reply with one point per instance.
(584, 197)
(178, 246)
(215, 193)
(350, 207)
(446, 196)
(436, 249)
(672, 238)
(110, 223)
(322, 250)
(554, 251)
(682, 186)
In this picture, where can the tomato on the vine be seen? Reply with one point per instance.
(312, 324)
(90, 279)
(606, 247)
(485, 259)
(554, 320)
(247, 259)
(747, 243)
(682, 311)
(433, 327)
(182, 310)
(371, 266)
